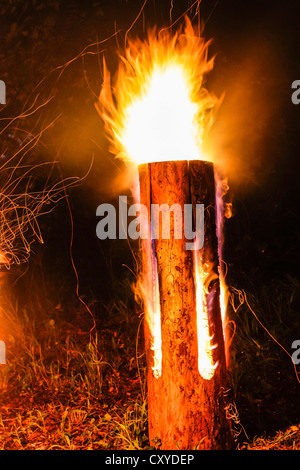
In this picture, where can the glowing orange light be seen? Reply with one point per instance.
(156, 108)
(206, 364)
(153, 319)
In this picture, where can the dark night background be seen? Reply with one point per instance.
(256, 136)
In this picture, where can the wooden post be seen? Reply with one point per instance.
(185, 410)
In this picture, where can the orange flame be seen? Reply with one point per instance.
(223, 211)
(206, 364)
(153, 318)
(156, 108)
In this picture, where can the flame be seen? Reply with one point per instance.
(147, 288)
(153, 319)
(223, 300)
(206, 365)
(156, 108)
(224, 295)
(224, 210)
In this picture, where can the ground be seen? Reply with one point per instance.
(67, 387)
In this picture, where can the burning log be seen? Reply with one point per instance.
(157, 114)
(186, 379)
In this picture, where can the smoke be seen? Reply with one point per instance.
(244, 139)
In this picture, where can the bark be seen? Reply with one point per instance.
(185, 411)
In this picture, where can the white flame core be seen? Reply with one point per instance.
(161, 123)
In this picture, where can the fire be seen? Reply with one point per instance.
(223, 306)
(156, 109)
(153, 319)
(157, 118)
(206, 364)
(223, 211)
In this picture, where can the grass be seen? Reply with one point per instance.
(63, 388)
(264, 379)
(288, 439)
